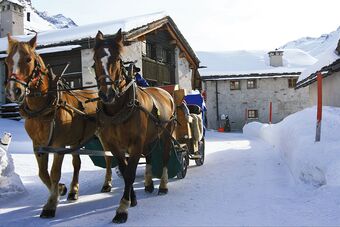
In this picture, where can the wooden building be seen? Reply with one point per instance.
(155, 42)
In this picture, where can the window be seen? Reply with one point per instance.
(235, 85)
(253, 114)
(165, 55)
(151, 50)
(15, 8)
(28, 16)
(8, 7)
(251, 84)
(292, 82)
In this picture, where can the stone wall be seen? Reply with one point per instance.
(234, 103)
(183, 72)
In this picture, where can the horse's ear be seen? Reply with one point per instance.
(11, 42)
(99, 35)
(119, 37)
(33, 41)
(99, 39)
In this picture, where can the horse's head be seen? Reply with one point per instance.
(108, 66)
(24, 68)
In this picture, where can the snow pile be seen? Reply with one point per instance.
(10, 183)
(313, 163)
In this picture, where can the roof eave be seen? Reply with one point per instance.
(241, 76)
(325, 71)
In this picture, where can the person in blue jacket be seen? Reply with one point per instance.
(139, 78)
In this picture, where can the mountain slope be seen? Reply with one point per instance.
(36, 21)
(313, 46)
(59, 20)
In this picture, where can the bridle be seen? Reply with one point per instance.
(116, 85)
(36, 76)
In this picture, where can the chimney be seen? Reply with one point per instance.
(275, 58)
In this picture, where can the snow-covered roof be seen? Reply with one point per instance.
(251, 76)
(88, 31)
(325, 58)
(13, 1)
(252, 62)
(49, 50)
(57, 49)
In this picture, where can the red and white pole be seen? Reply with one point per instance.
(319, 108)
(270, 112)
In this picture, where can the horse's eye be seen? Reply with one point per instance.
(28, 59)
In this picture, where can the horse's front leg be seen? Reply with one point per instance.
(42, 160)
(74, 187)
(50, 207)
(108, 176)
(148, 182)
(129, 197)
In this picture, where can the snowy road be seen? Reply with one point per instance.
(244, 181)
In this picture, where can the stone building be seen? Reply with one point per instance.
(242, 84)
(153, 40)
(11, 17)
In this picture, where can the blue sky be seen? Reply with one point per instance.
(216, 25)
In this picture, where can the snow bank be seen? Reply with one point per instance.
(313, 163)
(10, 183)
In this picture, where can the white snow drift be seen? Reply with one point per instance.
(316, 163)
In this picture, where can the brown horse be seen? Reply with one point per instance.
(130, 119)
(53, 118)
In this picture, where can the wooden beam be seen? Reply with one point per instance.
(180, 45)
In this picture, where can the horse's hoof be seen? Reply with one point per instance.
(62, 189)
(162, 191)
(149, 188)
(120, 218)
(47, 214)
(106, 188)
(72, 196)
(133, 202)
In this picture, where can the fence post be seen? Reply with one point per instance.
(270, 112)
(319, 108)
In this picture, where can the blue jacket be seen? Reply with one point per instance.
(141, 81)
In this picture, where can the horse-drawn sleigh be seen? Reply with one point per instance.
(125, 118)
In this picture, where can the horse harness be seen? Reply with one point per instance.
(131, 107)
(49, 110)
